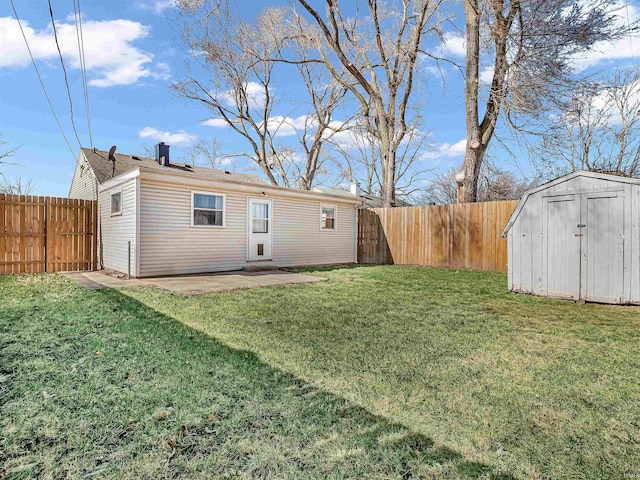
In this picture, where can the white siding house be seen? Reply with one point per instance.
(173, 219)
(578, 238)
(84, 185)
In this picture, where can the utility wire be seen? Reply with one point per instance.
(83, 64)
(64, 70)
(42, 83)
(629, 24)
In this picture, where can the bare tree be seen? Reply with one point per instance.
(231, 73)
(597, 128)
(241, 60)
(319, 126)
(493, 184)
(209, 152)
(530, 47)
(360, 156)
(16, 185)
(441, 190)
(379, 50)
(5, 153)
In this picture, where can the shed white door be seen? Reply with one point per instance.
(561, 246)
(260, 225)
(603, 255)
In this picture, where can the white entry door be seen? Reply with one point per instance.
(260, 220)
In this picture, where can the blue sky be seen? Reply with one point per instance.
(133, 55)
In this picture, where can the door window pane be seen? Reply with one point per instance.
(260, 226)
(260, 210)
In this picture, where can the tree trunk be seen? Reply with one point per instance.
(467, 178)
(388, 175)
(468, 187)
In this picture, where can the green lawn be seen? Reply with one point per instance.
(378, 372)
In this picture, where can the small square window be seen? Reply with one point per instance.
(328, 218)
(116, 203)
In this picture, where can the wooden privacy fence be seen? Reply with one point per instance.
(465, 235)
(47, 234)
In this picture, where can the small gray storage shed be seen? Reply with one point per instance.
(577, 237)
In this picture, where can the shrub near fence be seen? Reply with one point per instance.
(47, 234)
(465, 235)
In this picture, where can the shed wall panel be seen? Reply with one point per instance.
(543, 258)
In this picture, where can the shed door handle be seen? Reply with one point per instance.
(581, 225)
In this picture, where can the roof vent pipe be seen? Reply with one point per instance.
(162, 154)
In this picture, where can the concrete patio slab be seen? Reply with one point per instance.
(99, 280)
(218, 282)
(195, 284)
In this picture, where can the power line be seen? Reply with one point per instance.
(83, 64)
(41, 82)
(629, 24)
(64, 70)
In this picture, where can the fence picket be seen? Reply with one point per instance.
(458, 236)
(47, 234)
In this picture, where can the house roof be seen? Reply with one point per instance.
(564, 178)
(103, 168)
(127, 165)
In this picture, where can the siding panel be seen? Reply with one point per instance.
(170, 245)
(117, 231)
(83, 183)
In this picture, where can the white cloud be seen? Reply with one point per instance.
(624, 48)
(453, 45)
(157, 6)
(443, 150)
(605, 109)
(215, 123)
(255, 95)
(486, 75)
(287, 126)
(180, 139)
(111, 58)
(435, 71)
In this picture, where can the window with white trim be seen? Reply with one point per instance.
(207, 210)
(328, 218)
(116, 203)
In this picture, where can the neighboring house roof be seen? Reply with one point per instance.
(103, 168)
(370, 201)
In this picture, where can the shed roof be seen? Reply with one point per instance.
(564, 178)
(103, 168)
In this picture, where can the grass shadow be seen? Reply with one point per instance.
(100, 382)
